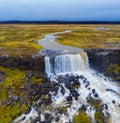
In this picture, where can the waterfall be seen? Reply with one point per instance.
(65, 64)
(75, 93)
(77, 64)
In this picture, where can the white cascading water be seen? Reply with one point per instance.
(65, 64)
(77, 64)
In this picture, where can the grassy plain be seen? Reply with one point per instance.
(21, 39)
(88, 37)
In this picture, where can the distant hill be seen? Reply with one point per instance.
(59, 22)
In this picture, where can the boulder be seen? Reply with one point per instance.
(57, 119)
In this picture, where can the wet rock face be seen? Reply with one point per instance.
(102, 59)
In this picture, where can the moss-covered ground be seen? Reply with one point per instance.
(11, 86)
(81, 117)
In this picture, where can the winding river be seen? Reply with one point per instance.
(49, 43)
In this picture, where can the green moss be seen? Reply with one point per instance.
(14, 79)
(63, 108)
(7, 114)
(113, 70)
(98, 117)
(98, 114)
(36, 80)
(95, 104)
(74, 86)
(113, 67)
(81, 118)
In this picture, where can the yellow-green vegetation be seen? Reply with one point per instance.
(13, 79)
(98, 117)
(33, 79)
(11, 85)
(88, 37)
(63, 108)
(98, 114)
(7, 113)
(22, 39)
(114, 69)
(81, 117)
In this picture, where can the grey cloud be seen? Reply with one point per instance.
(59, 9)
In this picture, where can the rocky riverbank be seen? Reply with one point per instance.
(35, 62)
(106, 61)
(35, 86)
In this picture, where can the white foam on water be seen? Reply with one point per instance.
(77, 65)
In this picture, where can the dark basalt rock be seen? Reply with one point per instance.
(93, 91)
(39, 112)
(36, 120)
(44, 122)
(8, 88)
(29, 74)
(46, 88)
(83, 108)
(39, 103)
(96, 95)
(9, 101)
(82, 77)
(113, 101)
(28, 111)
(68, 85)
(47, 115)
(69, 98)
(61, 111)
(1, 103)
(23, 118)
(16, 98)
(57, 119)
(101, 59)
(62, 91)
(111, 90)
(47, 101)
(74, 94)
(2, 76)
(24, 62)
(105, 106)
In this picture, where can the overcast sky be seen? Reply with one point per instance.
(66, 10)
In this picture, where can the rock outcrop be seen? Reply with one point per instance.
(106, 61)
(23, 62)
